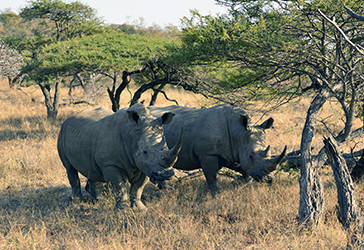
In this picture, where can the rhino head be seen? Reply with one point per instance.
(254, 157)
(150, 151)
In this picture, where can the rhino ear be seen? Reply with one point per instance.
(267, 124)
(133, 116)
(166, 118)
(244, 121)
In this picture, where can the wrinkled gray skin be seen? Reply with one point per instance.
(219, 136)
(128, 145)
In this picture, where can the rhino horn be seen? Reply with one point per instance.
(265, 152)
(172, 154)
(276, 160)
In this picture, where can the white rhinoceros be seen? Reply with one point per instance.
(128, 145)
(219, 136)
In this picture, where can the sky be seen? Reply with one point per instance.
(159, 12)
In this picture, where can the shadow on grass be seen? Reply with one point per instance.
(9, 135)
(47, 200)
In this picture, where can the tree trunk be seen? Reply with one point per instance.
(145, 87)
(311, 195)
(52, 107)
(155, 94)
(311, 191)
(349, 211)
(13, 81)
(114, 93)
(71, 88)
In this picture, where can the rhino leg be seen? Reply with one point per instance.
(91, 189)
(74, 180)
(72, 175)
(138, 183)
(210, 166)
(117, 178)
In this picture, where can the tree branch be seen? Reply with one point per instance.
(349, 211)
(356, 47)
(353, 14)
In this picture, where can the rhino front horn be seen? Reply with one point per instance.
(172, 154)
(265, 152)
(277, 160)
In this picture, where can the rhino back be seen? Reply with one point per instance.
(206, 132)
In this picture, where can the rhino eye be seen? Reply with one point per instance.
(145, 152)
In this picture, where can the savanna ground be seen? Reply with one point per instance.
(35, 211)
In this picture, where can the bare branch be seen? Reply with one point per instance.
(356, 47)
(165, 96)
(353, 14)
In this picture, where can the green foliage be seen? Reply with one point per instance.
(104, 53)
(72, 19)
(288, 45)
(9, 23)
(232, 49)
(68, 38)
(42, 24)
(155, 31)
(24, 35)
(292, 171)
(209, 39)
(248, 8)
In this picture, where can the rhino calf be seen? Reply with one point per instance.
(219, 136)
(128, 145)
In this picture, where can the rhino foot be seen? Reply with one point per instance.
(91, 189)
(164, 185)
(244, 180)
(214, 190)
(78, 199)
(138, 206)
(267, 179)
(122, 205)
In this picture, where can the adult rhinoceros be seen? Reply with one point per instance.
(128, 145)
(216, 137)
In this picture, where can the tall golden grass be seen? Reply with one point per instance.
(36, 213)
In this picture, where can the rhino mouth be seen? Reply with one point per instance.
(162, 175)
(267, 178)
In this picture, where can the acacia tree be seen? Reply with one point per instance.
(70, 20)
(270, 42)
(61, 21)
(117, 56)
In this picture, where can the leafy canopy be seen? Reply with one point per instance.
(70, 19)
(104, 53)
(275, 42)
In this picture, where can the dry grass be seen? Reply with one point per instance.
(35, 211)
